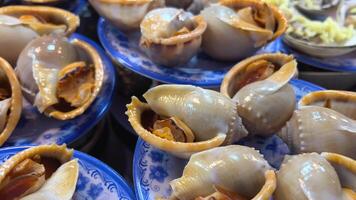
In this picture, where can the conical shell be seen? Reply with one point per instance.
(266, 105)
(11, 116)
(235, 168)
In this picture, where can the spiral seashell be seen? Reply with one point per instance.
(315, 128)
(21, 24)
(238, 28)
(211, 117)
(312, 176)
(59, 77)
(259, 85)
(237, 169)
(36, 173)
(10, 100)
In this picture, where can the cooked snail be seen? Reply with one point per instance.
(36, 174)
(171, 36)
(238, 28)
(312, 176)
(325, 122)
(59, 77)
(194, 119)
(232, 171)
(259, 85)
(10, 101)
(21, 24)
(125, 14)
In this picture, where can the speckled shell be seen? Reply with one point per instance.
(314, 128)
(69, 173)
(211, 116)
(235, 168)
(18, 36)
(308, 176)
(125, 14)
(61, 53)
(264, 106)
(175, 50)
(16, 100)
(224, 42)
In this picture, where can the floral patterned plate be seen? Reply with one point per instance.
(154, 169)
(96, 180)
(201, 70)
(35, 128)
(346, 63)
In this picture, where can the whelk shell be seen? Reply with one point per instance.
(238, 28)
(312, 176)
(36, 173)
(125, 14)
(324, 123)
(259, 85)
(240, 170)
(10, 101)
(59, 77)
(21, 24)
(211, 117)
(170, 36)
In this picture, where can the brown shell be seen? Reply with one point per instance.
(99, 79)
(50, 14)
(169, 51)
(16, 101)
(60, 153)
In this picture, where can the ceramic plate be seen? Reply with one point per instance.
(201, 70)
(154, 169)
(35, 128)
(345, 63)
(96, 180)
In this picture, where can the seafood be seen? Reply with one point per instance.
(312, 176)
(59, 77)
(238, 28)
(44, 2)
(207, 115)
(125, 14)
(325, 122)
(10, 101)
(36, 173)
(232, 171)
(21, 24)
(259, 86)
(171, 36)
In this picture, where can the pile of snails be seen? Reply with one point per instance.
(226, 30)
(255, 98)
(61, 78)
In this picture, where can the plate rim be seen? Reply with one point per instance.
(88, 159)
(138, 156)
(116, 56)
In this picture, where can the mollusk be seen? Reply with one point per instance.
(171, 36)
(312, 176)
(210, 116)
(238, 28)
(43, 2)
(21, 24)
(259, 85)
(10, 100)
(233, 170)
(36, 173)
(325, 121)
(59, 77)
(125, 14)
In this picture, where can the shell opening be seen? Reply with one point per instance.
(222, 194)
(27, 177)
(41, 26)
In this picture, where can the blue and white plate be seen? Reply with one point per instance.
(201, 70)
(345, 63)
(96, 180)
(154, 169)
(35, 128)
